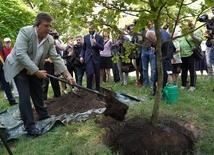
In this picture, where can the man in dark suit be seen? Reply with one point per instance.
(93, 44)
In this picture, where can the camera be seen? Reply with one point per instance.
(54, 34)
(210, 28)
(75, 46)
(120, 42)
(129, 27)
(204, 18)
(135, 22)
(210, 24)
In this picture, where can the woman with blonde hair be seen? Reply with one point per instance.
(106, 62)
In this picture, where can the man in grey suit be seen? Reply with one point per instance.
(26, 65)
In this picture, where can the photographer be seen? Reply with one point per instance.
(121, 51)
(69, 55)
(59, 44)
(80, 68)
(135, 55)
(187, 43)
(49, 67)
(210, 40)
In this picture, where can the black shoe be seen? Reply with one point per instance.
(34, 132)
(44, 117)
(12, 104)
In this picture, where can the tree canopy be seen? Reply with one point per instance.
(72, 16)
(14, 14)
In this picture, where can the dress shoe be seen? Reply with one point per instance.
(12, 104)
(44, 117)
(34, 132)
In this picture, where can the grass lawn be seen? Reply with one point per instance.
(84, 138)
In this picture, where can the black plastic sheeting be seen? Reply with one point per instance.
(11, 125)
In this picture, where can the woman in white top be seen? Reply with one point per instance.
(106, 62)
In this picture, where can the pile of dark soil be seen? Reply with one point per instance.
(130, 137)
(72, 103)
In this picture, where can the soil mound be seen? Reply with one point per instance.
(138, 137)
(130, 137)
(83, 100)
(72, 103)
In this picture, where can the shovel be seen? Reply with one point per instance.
(6, 145)
(114, 108)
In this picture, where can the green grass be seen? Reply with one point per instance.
(85, 138)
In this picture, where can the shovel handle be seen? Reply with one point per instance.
(6, 145)
(73, 85)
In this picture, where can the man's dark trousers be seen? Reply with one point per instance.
(30, 86)
(91, 70)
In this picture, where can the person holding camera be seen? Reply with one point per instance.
(26, 63)
(72, 56)
(187, 44)
(50, 68)
(120, 50)
(210, 40)
(69, 56)
(135, 55)
(80, 67)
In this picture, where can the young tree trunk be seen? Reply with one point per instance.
(157, 99)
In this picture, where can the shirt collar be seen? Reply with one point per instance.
(43, 40)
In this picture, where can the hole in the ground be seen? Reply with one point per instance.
(138, 137)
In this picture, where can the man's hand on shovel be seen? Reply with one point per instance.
(39, 73)
(69, 78)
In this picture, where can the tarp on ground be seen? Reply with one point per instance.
(11, 125)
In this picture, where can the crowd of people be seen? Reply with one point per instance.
(38, 51)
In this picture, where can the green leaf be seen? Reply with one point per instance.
(209, 3)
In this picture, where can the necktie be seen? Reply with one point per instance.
(92, 37)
